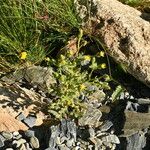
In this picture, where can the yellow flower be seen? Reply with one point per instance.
(82, 87)
(23, 55)
(47, 59)
(87, 57)
(101, 53)
(103, 65)
(107, 78)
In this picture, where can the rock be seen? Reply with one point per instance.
(20, 117)
(7, 135)
(69, 143)
(71, 130)
(111, 139)
(136, 141)
(16, 133)
(40, 76)
(91, 117)
(106, 126)
(134, 122)
(29, 133)
(2, 139)
(35, 75)
(30, 121)
(10, 124)
(9, 149)
(122, 31)
(34, 142)
(54, 134)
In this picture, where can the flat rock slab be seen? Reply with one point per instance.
(135, 122)
(9, 123)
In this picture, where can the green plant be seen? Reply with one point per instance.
(72, 81)
(137, 3)
(33, 26)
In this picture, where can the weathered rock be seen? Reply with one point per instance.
(42, 77)
(135, 122)
(9, 123)
(136, 141)
(30, 121)
(111, 139)
(122, 30)
(91, 117)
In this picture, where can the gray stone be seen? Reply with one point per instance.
(106, 126)
(91, 117)
(7, 135)
(34, 142)
(71, 129)
(70, 143)
(20, 117)
(29, 133)
(111, 139)
(54, 134)
(136, 141)
(30, 121)
(2, 139)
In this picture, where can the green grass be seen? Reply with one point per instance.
(141, 4)
(33, 26)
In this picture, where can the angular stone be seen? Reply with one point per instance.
(30, 121)
(135, 122)
(29, 133)
(136, 141)
(91, 117)
(16, 133)
(111, 139)
(9, 123)
(106, 126)
(20, 117)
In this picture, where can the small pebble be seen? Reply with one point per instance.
(34, 142)
(16, 133)
(7, 135)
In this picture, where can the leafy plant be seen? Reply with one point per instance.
(137, 3)
(72, 81)
(119, 89)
